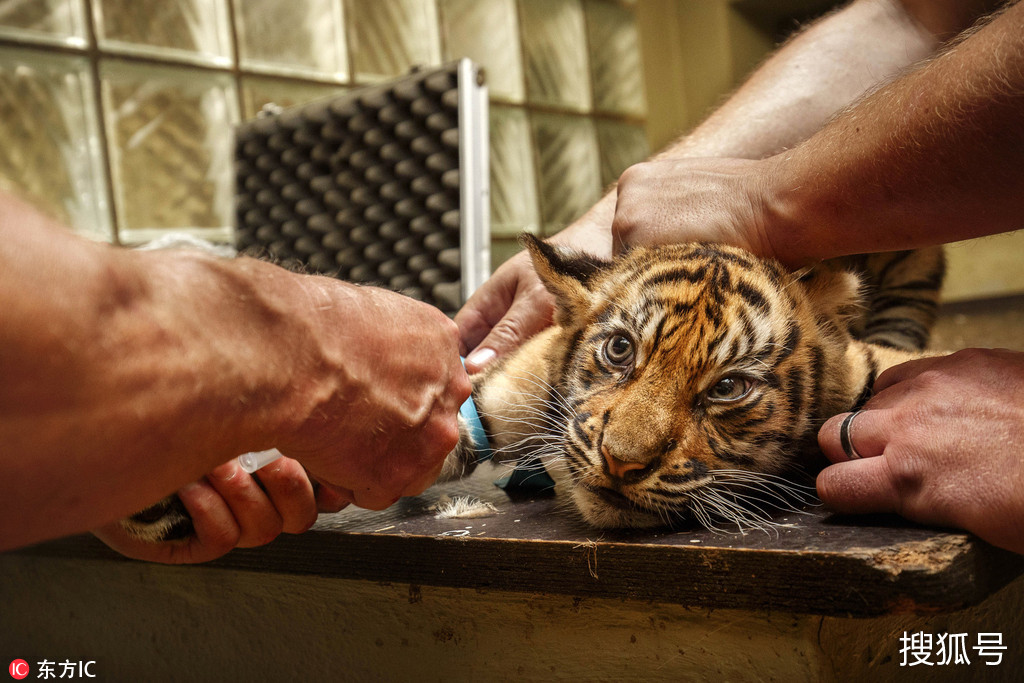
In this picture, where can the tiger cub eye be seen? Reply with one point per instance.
(618, 350)
(731, 388)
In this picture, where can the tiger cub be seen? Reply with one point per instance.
(688, 382)
(684, 383)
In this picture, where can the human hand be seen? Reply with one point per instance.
(230, 509)
(509, 308)
(384, 394)
(940, 443)
(667, 201)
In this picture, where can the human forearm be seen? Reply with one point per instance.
(817, 73)
(124, 374)
(792, 95)
(933, 157)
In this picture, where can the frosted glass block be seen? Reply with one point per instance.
(570, 180)
(554, 47)
(51, 152)
(502, 250)
(620, 145)
(258, 92)
(305, 37)
(513, 182)
(170, 133)
(486, 31)
(387, 38)
(195, 30)
(615, 58)
(51, 21)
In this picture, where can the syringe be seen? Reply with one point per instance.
(250, 462)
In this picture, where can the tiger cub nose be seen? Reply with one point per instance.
(625, 469)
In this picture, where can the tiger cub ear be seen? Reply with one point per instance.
(834, 294)
(568, 274)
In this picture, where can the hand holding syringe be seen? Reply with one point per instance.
(250, 462)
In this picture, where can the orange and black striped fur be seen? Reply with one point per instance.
(689, 381)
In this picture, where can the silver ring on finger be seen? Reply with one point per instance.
(846, 436)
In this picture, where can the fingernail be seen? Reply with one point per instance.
(226, 471)
(480, 358)
(188, 489)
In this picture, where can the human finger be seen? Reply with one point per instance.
(370, 498)
(215, 532)
(459, 386)
(526, 317)
(435, 442)
(332, 498)
(482, 311)
(419, 486)
(509, 309)
(859, 486)
(905, 371)
(289, 489)
(117, 538)
(257, 517)
(488, 304)
(854, 435)
(632, 221)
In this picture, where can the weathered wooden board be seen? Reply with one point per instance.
(820, 563)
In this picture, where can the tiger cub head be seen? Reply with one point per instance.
(691, 376)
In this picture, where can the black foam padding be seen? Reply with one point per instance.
(364, 187)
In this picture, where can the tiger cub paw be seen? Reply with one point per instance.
(166, 520)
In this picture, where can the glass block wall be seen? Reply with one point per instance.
(117, 115)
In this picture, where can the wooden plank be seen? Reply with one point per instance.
(820, 563)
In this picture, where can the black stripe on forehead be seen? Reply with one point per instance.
(772, 353)
(658, 332)
(642, 317)
(607, 311)
(637, 317)
(656, 305)
(775, 272)
(723, 278)
(752, 296)
(715, 252)
(692, 275)
(713, 312)
(792, 341)
(715, 343)
(749, 331)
